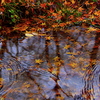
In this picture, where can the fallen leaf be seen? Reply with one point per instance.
(73, 65)
(56, 58)
(72, 1)
(9, 69)
(29, 35)
(67, 46)
(90, 29)
(39, 61)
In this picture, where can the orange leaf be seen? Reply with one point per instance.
(43, 5)
(67, 46)
(51, 10)
(87, 2)
(80, 9)
(50, 3)
(72, 1)
(62, 24)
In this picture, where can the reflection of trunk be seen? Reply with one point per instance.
(57, 87)
(96, 47)
(89, 89)
(47, 42)
(58, 63)
(3, 48)
(1, 83)
(11, 51)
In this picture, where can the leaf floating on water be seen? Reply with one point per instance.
(90, 29)
(71, 53)
(9, 69)
(1, 65)
(56, 58)
(39, 61)
(1, 79)
(2, 98)
(30, 34)
(67, 46)
(73, 65)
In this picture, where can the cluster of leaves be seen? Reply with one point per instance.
(11, 13)
(52, 14)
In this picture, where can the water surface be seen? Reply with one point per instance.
(56, 66)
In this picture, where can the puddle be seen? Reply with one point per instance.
(54, 67)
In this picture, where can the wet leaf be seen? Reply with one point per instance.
(9, 69)
(72, 53)
(56, 58)
(67, 46)
(48, 37)
(39, 61)
(1, 79)
(29, 35)
(90, 29)
(2, 98)
(73, 65)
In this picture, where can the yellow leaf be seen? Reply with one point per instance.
(48, 37)
(56, 58)
(90, 29)
(71, 53)
(43, 24)
(30, 34)
(72, 1)
(9, 69)
(58, 63)
(2, 98)
(67, 46)
(73, 65)
(83, 69)
(54, 72)
(39, 61)
(1, 79)
(28, 85)
(60, 98)
(1, 65)
(91, 17)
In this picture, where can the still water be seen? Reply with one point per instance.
(55, 66)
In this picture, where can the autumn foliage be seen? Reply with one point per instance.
(49, 15)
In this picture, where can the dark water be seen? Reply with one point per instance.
(68, 69)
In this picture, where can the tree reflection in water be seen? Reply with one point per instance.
(92, 71)
(60, 74)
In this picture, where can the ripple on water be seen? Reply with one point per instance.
(9, 69)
